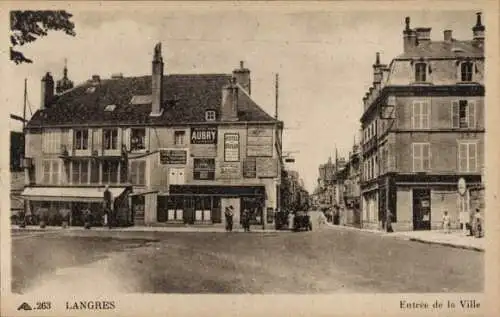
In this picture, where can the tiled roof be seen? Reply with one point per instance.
(186, 98)
(442, 49)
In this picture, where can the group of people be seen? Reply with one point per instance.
(474, 229)
(245, 219)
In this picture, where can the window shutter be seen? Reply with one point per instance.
(141, 173)
(425, 113)
(471, 109)
(415, 156)
(455, 120)
(472, 157)
(126, 138)
(414, 114)
(426, 157)
(462, 157)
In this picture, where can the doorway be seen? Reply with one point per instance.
(421, 209)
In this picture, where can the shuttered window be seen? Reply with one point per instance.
(463, 114)
(421, 157)
(138, 172)
(467, 157)
(421, 114)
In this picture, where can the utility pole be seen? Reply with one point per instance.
(277, 96)
(24, 107)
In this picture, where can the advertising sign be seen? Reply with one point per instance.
(173, 157)
(229, 170)
(204, 135)
(204, 168)
(250, 167)
(266, 167)
(231, 147)
(260, 141)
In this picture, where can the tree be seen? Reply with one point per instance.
(28, 26)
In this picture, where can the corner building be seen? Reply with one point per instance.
(423, 129)
(174, 148)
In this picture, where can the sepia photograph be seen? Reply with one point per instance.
(252, 149)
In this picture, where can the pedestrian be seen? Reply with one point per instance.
(388, 221)
(246, 220)
(228, 212)
(446, 222)
(321, 219)
(478, 224)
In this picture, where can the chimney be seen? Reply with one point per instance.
(377, 69)
(478, 29)
(157, 82)
(448, 35)
(409, 36)
(229, 105)
(242, 76)
(47, 92)
(423, 35)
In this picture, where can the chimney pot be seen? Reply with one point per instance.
(407, 23)
(242, 64)
(96, 78)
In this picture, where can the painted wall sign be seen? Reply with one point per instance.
(231, 147)
(266, 167)
(250, 167)
(204, 168)
(173, 157)
(229, 170)
(260, 141)
(204, 135)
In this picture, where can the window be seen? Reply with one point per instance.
(466, 71)
(231, 147)
(94, 172)
(138, 139)
(51, 141)
(179, 137)
(138, 172)
(50, 172)
(467, 157)
(80, 174)
(110, 137)
(81, 139)
(463, 114)
(420, 72)
(421, 157)
(110, 172)
(210, 115)
(204, 169)
(420, 115)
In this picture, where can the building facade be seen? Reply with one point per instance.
(352, 193)
(172, 148)
(423, 129)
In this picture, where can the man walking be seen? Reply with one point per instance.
(388, 221)
(446, 222)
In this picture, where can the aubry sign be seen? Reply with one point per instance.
(204, 135)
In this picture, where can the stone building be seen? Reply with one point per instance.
(173, 148)
(423, 129)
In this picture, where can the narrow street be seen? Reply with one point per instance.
(322, 261)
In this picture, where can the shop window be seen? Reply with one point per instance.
(110, 138)
(463, 114)
(204, 169)
(81, 139)
(138, 139)
(179, 137)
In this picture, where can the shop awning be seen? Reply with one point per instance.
(83, 194)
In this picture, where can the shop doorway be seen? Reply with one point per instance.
(254, 206)
(421, 209)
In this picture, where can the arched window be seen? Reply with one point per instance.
(466, 71)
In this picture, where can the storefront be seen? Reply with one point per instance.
(198, 204)
(55, 203)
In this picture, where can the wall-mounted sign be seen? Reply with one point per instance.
(229, 170)
(204, 135)
(266, 167)
(250, 167)
(203, 168)
(173, 157)
(260, 141)
(231, 147)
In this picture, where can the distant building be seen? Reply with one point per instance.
(423, 129)
(176, 148)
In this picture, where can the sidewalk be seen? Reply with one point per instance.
(143, 229)
(454, 239)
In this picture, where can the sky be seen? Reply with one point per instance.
(324, 59)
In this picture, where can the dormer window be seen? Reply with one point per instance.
(466, 71)
(110, 108)
(420, 72)
(210, 115)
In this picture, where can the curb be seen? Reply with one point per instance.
(458, 246)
